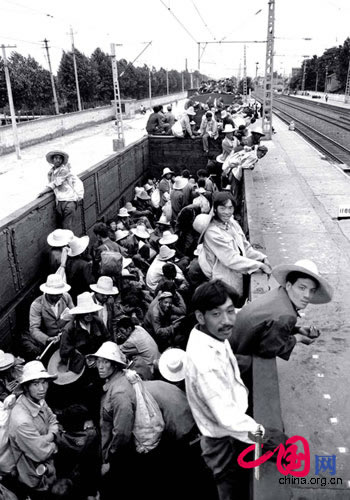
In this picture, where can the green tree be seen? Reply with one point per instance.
(104, 82)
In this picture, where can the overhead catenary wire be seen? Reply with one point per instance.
(203, 21)
(178, 20)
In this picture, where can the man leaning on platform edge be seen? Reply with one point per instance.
(267, 327)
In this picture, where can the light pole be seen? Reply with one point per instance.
(256, 72)
(304, 71)
(325, 80)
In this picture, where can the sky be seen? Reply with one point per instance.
(133, 23)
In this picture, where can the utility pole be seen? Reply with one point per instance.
(347, 86)
(245, 86)
(325, 81)
(167, 83)
(256, 72)
(150, 88)
(10, 98)
(75, 69)
(120, 143)
(268, 90)
(182, 81)
(52, 79)
(304, 72)
(316, 84)
(191, 74)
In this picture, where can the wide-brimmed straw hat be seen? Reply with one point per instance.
(110, 350)
(104, 286)
(142, 195)
(7, 360)
(168, 238)
(123, 212)
(148, 187)
(54, 285)
(130, 207)
(172, 364)
(166, 253)
(190, 111)
(51, 154)
(180, 182)
(60, 237)
(78, 245)
(34, 370)
(165, 295)
(257, 130)
(228, 128)
(140, 231)
(166, 171)
(120, 234)
(64, 375)
(163, 220)
(324, 292)
(85, 305)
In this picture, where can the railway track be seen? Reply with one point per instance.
(331, 148)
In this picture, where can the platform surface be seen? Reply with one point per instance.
(298, 193)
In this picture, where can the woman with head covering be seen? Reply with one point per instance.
(226, 253)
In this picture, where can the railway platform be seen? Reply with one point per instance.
(331, 101)
(297, 193)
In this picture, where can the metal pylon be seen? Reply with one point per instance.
(245, 86)
(347, 86)
(268, 86)
(117, 101)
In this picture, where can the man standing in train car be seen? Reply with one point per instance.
(267, 327)
(68, 188)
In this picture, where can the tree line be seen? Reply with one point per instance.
(32, 91)
(333, 60)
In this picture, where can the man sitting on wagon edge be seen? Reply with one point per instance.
(266, 326)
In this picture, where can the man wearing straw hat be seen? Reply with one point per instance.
(155, 273)
(57, 240)
(68, 188)
(267, 327)
(78, 266)
(177, 197)
(48, 313)
(104, 295)
(33, 429)
(165, 184)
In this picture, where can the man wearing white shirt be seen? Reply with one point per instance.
(217, 396)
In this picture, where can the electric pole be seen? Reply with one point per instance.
(256, 72)
(52, 79)
(150, 88)
(182, 81)
(268, 85)
(245, 86)
(304, 73)
(347, 86)
(10, 98)
(167, 83)
(120, 143)
(75, 69)
(325, 79)
(316, 84)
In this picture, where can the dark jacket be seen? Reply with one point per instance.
(266, 326)
(76, 342)
(79, 276)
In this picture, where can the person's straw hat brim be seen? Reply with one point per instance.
(324, 292)
(228, 129)
(172, 364)
(78, 245)
(166, 253)
(166, 171)
(190, 111)
(51, 154)
(64, 375)
(180, 183)
(85, 305)
(34, 370)
(140, 232)
(168, 238)
(60, 237)
(111, 351)
(104, 286)
(7, 360)
(55, 290)
(120, 234)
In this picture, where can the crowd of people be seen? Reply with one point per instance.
(133, 377)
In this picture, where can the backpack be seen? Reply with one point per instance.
(149, 423)
(111, 263)
(203, 203)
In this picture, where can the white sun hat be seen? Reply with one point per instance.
(111, 351)
(140, 231)
(85, 305)
(324, 292)
(60, 237)
(6, 360)
(120, 234)
(168, 238)
(78, 245)
(34, 370)
(54, 285)
(172, 364)
(123, 212)
(228, 128)
(166, 171)
(180, 182)
(104, 286)
(165, 253)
